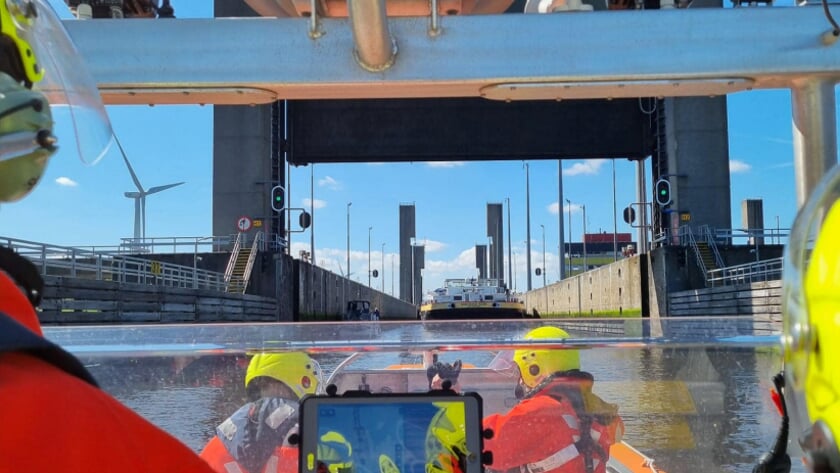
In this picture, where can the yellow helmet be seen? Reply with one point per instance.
(296, 370)
(535, 365)
(335, 454)
(446, 442)
(811, 307)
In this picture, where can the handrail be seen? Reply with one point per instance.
(710, 239)
(56, 260)
(764, 270)
(234, 252)
(252, 256)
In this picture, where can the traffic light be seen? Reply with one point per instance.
(278, 198)
(305, 220)
(663, 192)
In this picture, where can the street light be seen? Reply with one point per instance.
(528, 222)
(569, 206)
(383, 267)
(585, 266)
(510, 263)
(348, 238)
(543, 238)
(369, 269)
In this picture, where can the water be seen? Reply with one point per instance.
(691, 403)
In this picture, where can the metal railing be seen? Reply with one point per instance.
(710, 240)
(757, 271)
(55, 260)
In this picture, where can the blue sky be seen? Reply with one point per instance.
(84, 205)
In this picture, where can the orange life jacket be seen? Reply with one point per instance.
(56, 419)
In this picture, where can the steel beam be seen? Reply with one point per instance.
(675, 52)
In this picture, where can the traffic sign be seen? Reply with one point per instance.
(243, 224)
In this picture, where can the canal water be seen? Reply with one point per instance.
(691, 406)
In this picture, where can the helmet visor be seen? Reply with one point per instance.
(68, 85)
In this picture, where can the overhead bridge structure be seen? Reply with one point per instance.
(618, 84)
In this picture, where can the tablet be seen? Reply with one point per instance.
(391, 433)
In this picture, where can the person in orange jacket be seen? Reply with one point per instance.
(256, 438)
(54, 416)
(560, 425)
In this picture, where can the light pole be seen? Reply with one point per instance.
(348, 238)
(312, 215)
(510, 263)
(615, 218)
(543, 266)
(528, 222)
(585, 266)
(561, 261)
(383, 268)
(569, 206)
(370, 229)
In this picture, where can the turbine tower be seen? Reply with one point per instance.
(140, 201)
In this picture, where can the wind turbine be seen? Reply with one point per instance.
(140, 200)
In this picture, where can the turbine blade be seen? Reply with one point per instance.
(128, 164)
(162, 188)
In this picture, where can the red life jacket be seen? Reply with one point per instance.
(550, 431)
(56, 419)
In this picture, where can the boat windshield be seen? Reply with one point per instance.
(675, 395)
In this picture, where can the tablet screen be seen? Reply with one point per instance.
(391, 434)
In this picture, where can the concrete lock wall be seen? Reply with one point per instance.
(323, 295)
(613, 289)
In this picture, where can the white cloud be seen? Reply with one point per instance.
(554, 207)
(66, 182)
(588, 167)
(445, 164)
(432, 245)
(319, 204)
(330, 183)
(738, 166)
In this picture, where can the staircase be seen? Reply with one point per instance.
(705, 250)
(241, 264)
(704, 253)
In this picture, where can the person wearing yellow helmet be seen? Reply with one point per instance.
(811, 308)
(256, 438)
(55, 416)
(566, 427)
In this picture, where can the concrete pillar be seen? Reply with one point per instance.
(242, 156)
(698, 160)
(495, 230)
(418, 263)
(481, 260)
(407, 233)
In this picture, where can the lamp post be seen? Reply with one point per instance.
(528, 222)
(510, 263)
(348, 238)
(370, 229)
(543, 239)
(585, 266)
(569, 206)
(383, 268)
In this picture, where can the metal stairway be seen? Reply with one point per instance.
(241, 264)
(705, 250)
